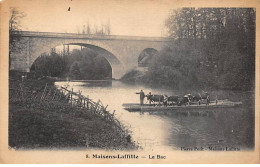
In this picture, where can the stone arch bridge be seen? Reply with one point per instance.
(123, 50)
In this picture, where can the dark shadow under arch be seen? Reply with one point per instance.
(109, 57)
(146, 57)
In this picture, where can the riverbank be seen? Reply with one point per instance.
(143, 78)
(35, 123)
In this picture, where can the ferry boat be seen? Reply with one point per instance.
(135, 107)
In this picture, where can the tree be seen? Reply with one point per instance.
(75, 71)
(83, 29)
(14, 28)
(103, 30)
(223, 39)
(108, 28)
(80, 64)
(88, 29)
(15, 19)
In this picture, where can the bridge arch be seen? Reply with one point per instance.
(111, 58)
(109, 54)
(146, 56)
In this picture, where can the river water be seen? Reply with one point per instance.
(232, 127)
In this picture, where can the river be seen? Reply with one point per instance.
(233, 127)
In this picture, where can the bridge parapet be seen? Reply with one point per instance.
(89, 36)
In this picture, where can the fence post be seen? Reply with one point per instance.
(71, 96)
(96, 106)
(88, 103)
(80, 98)
(114, 112)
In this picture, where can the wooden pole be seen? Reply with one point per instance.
(68, 50)
(88, 103)
(96, 106)
(114, 112)
(71, 95)
(106, 107)
(80, 99)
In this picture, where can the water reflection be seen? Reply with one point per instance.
(94, 83)
(173, 129)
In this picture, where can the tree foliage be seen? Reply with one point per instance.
(211, 48)
(224, 40)
(85, 64)
(104, 29)
(15, 19)
(14, 28)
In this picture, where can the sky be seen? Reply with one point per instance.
(127, 17)
(133, 18)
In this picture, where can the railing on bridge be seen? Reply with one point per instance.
(88, 36)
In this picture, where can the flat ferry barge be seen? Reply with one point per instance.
(135, 107)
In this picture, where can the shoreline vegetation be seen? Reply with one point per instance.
(85, 64)
(212, 48)
(42, 119)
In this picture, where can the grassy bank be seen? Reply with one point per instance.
(35, 123)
